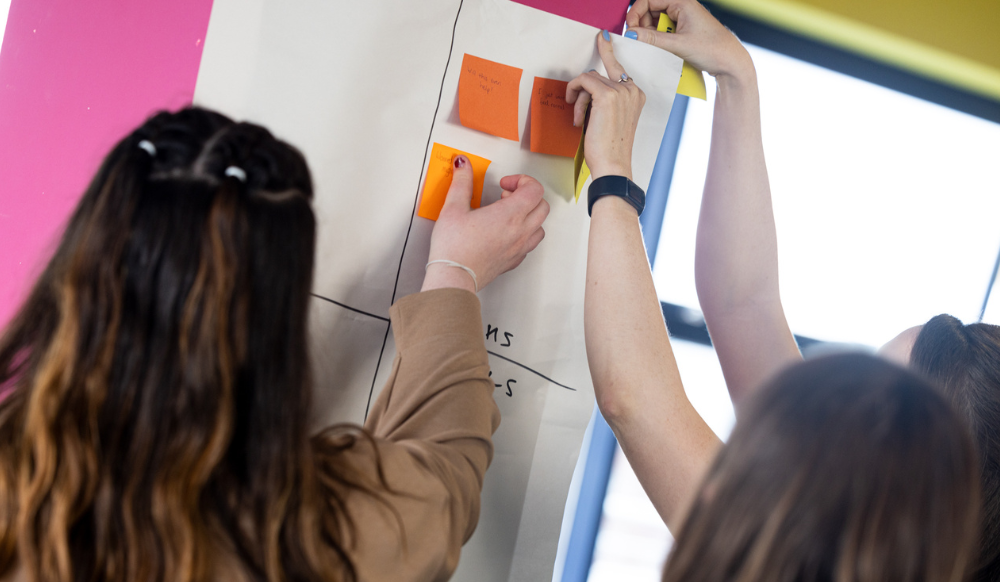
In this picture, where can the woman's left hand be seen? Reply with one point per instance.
(614, 114)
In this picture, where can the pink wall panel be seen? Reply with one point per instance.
(75, 77)
(603, 14)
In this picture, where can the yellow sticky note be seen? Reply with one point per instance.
(692, 81)
(438, 180)
(580, 170)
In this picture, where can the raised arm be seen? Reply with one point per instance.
(635, 376)
(736, 257)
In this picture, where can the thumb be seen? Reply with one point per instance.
(667, 41)
(460, 193)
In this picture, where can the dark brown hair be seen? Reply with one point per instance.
(844, 468)
(965, 361)
(158, 376)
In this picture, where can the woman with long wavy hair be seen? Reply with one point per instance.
(157, 380)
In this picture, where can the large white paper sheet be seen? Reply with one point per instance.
(364, 89)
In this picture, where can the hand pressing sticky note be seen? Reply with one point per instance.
(552, 130)
(487, 97)
(438, 180)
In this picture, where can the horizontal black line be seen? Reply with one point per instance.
(386, 319)
(530, 370)
(378, 317)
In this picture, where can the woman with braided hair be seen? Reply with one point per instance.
(157, 385)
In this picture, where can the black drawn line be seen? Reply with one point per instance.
(348, 307)
(416, 197)
(536, 372)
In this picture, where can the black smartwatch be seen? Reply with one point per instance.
(616, 186)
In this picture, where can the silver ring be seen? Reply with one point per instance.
(625, 78)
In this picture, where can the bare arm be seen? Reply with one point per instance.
(635, 375)
(736, 257)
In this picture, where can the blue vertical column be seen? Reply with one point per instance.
(603, 444)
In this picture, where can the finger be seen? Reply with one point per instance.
(667, 41)
(537, 215)
(636, 12)
(460, 192)
(604, 48)
(536, 237)
(648, 20)
(589, 82)
(528, 193)
(510, 183)
(580, 109)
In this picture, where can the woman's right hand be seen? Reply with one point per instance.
(490, 240)
(614, 114)
(700, 39)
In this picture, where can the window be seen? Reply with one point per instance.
(886, 205)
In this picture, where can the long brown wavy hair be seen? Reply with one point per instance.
(155, 426)
(843, 469)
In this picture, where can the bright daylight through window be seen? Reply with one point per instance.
(886, 205)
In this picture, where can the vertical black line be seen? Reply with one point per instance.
(989, 288)
(416, 197)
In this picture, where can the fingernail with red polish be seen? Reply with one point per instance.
(460, 161)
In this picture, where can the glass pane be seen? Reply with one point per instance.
(886, 205)
(992, 312)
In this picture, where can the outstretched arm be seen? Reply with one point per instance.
(635, 376)
(736, 257)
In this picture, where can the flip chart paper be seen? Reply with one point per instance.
(487, 96)
(603, 14)
(438, 181)
(552, 130)
(369, 151)
(692, 81)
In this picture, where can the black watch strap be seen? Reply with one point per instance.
(616, 186)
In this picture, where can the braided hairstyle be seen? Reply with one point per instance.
(155, 423)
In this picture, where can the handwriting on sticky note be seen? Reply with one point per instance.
(552, 130)
(487, 96)
(437, 180)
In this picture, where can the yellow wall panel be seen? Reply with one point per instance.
(955, 42)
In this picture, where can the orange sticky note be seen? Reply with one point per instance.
(487, 96)
(552, 130)
(438, 180)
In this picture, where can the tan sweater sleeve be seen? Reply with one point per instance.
(432, 424)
